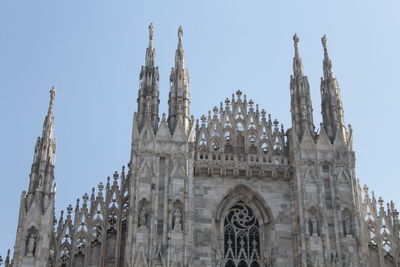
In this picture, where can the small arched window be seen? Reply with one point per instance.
(241, 237)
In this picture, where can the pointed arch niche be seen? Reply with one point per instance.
(243, 228)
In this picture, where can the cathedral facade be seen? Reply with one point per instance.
(232, 189)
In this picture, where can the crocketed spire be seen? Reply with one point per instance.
(43, 162)
(301, 105)
(332, 109)
(179, 102)
(148, 95)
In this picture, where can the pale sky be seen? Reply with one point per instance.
(92, 51)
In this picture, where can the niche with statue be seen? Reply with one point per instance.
(177, 215)
(31, 242)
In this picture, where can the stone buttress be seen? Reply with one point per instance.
(326, 215)
(161, 178)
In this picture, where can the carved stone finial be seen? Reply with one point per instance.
(380, 200)
(276, 123)
(203, 119)
(263, 113)
(85, 198)
(239, 93)
(69, 209)
(100, 186)
(365, 188)
(251, 103)
(227, 101)
(215, 110)
(395, 213)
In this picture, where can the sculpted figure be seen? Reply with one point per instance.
(31, 245)
(217, 257)
(148, 105)
(142, 217)
(347, 226)
(304, 113)
(177, 219)
(313, 225)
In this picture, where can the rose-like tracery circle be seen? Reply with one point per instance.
(241, 216)
(241, 237)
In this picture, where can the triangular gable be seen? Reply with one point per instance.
(343, 177)
(323, 140)
(307, 142)
(178, 171)
(145, 172)
(179, 133)
(163, 133)
(159, 260)
(141, 260)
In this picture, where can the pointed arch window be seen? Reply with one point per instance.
(241, 237)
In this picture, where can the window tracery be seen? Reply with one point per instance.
(241, 237)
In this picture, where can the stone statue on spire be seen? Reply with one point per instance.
(296, 39)
(52, 95)
(296, 46)
(180, 34)
(324, 42)
(151, 31)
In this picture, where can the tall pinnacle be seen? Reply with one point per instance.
(37, 203)
(301, 105)
(180, 35)
(179, 55)
(179, 102)
(332, 109)
(148, 94)
(48, 124)
(42, 175)
(327, 64)
(150, 51)
(297, 63)
(151, 33)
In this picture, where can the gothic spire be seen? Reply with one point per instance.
(37, 204)
(301, 105)
(179, 55)
(48, 124)
(42, 176)
(150, 51)
(331, 103)
(148, 95)
(297, 62)
(179, 102)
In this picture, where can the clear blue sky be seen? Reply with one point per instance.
(92, 52)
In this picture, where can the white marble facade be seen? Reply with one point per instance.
(232, 189)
